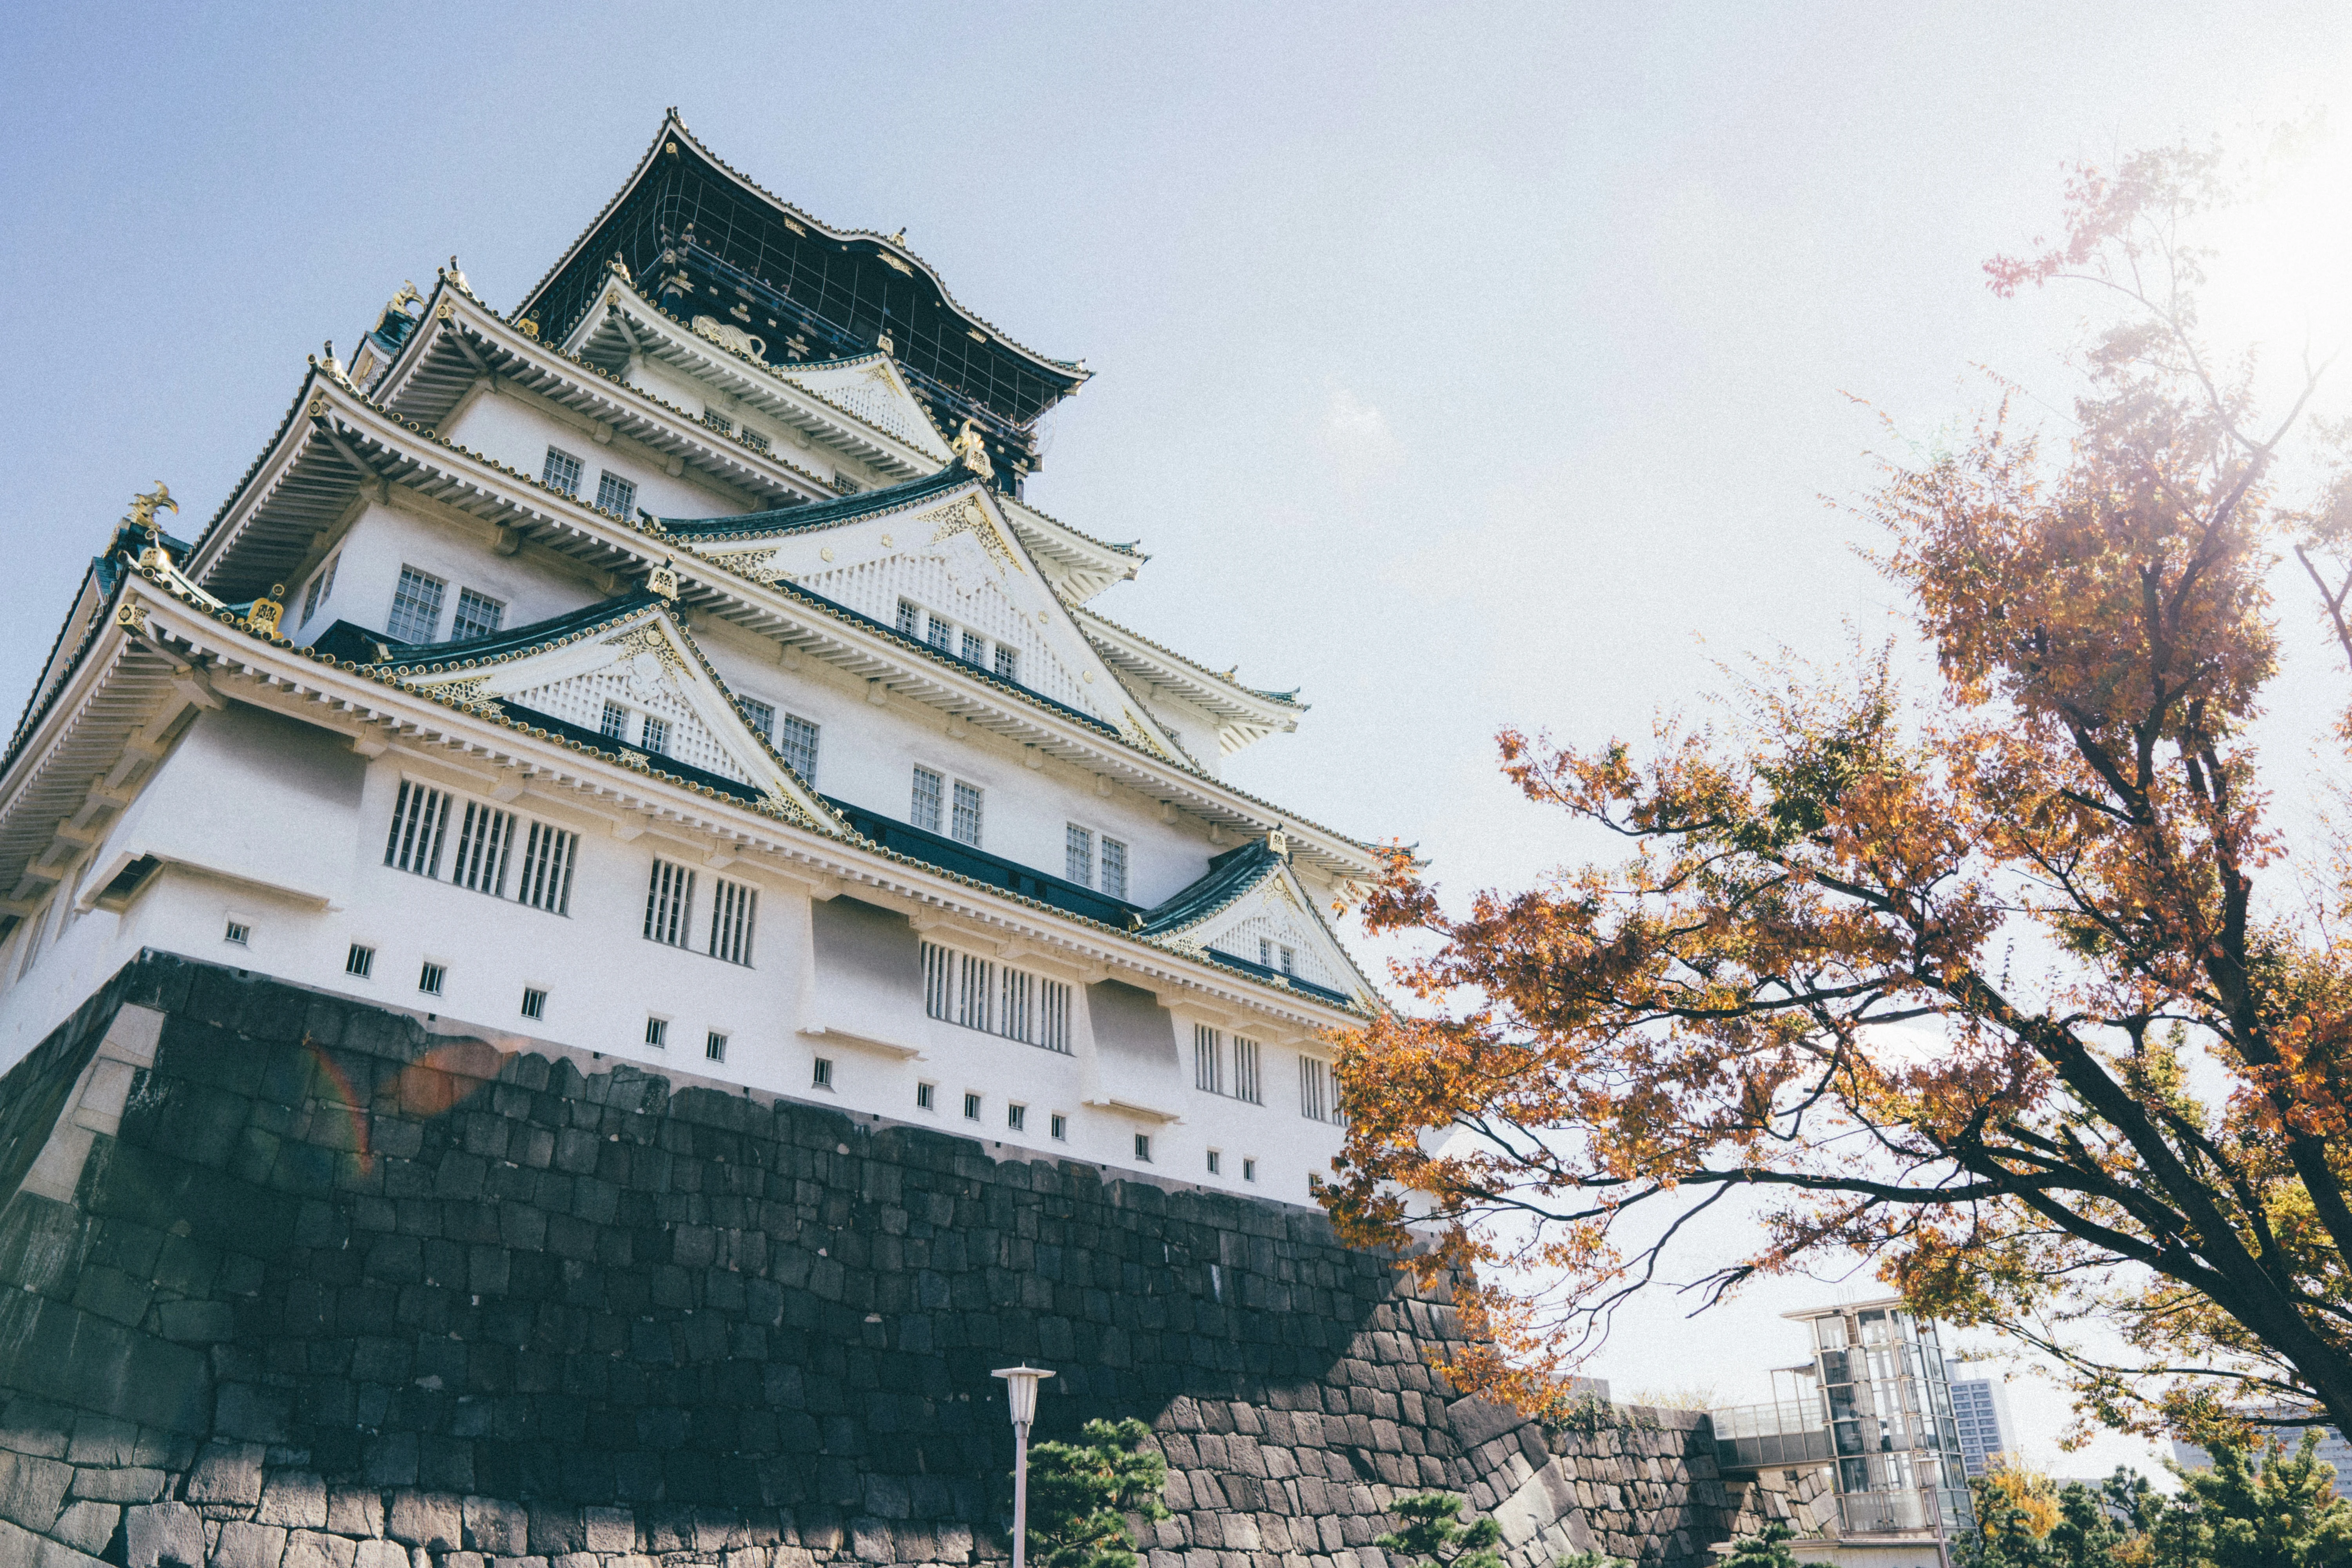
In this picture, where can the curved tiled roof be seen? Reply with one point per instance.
(824, 513)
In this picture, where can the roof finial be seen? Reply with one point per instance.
(458, 277)
(331, 364)
(621, 268)
(408, 296)
(142, 516)
(1277, 841)
(899, 238)
(970, 448)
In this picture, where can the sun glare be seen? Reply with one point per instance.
(2281, 273)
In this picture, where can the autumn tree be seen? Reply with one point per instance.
(2000, 983)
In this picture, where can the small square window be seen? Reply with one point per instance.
(1008, 664)
(655, 736)
(616, 723)
(561, 471)
(239, 932)
(479, 616)
(1249, 1170)
(924, 1092)
(1143, 1147)
(657, 1032)
(429, 978)
(1061, 1125)
(534, 1002)
(360, 961)
(1216, 1163)
(971, 1108)
(1017, 1117)
(714, 1045)
(820, 1077)
(616, 494)
(760, 716)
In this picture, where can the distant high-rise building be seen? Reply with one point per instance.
(2333, 1450)
(1981, 1407)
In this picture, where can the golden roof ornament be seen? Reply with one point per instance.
(662, 581)
(331, 364)
(142, 516)
(265, 613)
(1277, 841)
(399, 303)
(899, 238)
(457, 277)
(621, 268)
(970, 448)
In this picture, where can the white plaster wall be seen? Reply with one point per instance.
(518, 430)
(384, 538)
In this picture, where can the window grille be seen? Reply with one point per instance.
(1248, 1084)
(1078, 854)
(943, 635)
(1060, 1125)
(534, 1002)
(654, 735)
(561, 471)
(430, 977)
(820, 1073)
(718, 422)
(1249, 1170)
(485, 837)
(616, 723)
(479, 616)
(760, 716)
(669, 898)
(360, 962)
(658, 1033)
(1289, 959)
(415, 606)
(418, 819)
(1274, 955)
(909, 617)
(733, 907)
(714, 1045)
(1318, 1098)
(796, 743)
(975, 649)
(1008, 664)
(1143, 1147)
(1208, 1058)
(964, 826)
(925, 811)
(1114, 868)
(1016, 1118)
(545, 876)
(321, 589)
(971, 1108)
(616, 494)
(923, 1095)
(755, 440)
(997, 999)
(239, 932)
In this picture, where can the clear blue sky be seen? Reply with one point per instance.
(1463, 364)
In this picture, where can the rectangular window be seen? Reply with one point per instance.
(485, 837)
(1061, 1126)
(820, 1073)
(418, 818)
(924, 1094)
(975, 648)
(669, 900)
(1208, 1058)
(1016, 1118)
(561, 471)
(963, 824)
(1317, 1097)
(1114, 868)
(979, 993)
(760, 716)
(1143, 1147)
(971, 1108)
(1274, 955)
(733, 907)
(1249, 1170)
(658, 1033)
(714, 1045)
(909, 619)
(943, 635)
(322, 588)
(545, 875)
(1216, 1162)
(615, 725)
(360, 962)
(1008, 664)
(924, 813)
(653, 736)
(1247, 1084)
(718, 422)
(796, 743)
(479, 616)
(1289, 959)
(429, 978)
(415, 606)
(755, 440)
(239, 933)
(616, 494)
(1078, 854)
(534, 1002)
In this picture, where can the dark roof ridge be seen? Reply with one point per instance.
(823, 514)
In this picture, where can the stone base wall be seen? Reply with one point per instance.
(294, 1283)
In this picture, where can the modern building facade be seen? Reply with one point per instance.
(672, 670)
(1981, 1410)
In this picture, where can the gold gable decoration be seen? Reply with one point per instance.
(966, 515)
(759, 565)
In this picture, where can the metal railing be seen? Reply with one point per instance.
(1886, 1513)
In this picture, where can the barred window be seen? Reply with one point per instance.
(415, 606)
(669, 901)
(924, 812)
(909, 619)
(718, 422)
(561, 471)
(796, 743)
(1318, 1098)
(484, 839)
(1114, 868)
(1208, 1058)
(963, 825)
(653, 736)
(760, 716)
(418, 819)
(1274, 955)
(545, 876)
(1008, 663)
(616, 494)
(1247, 1084)
(616, 723)
(657, 1032)
(733, 907)
(997, 999)
(943, 635)
(1078, 854)
(479, 616)
(755, 440)
(975, 648)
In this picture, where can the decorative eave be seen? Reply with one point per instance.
(1083, 565)
(344, 442)
(1245, 715)
(159, 649)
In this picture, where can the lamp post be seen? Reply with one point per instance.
(1020, 1397)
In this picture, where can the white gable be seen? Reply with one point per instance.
(1275, 912)
(872, 389)
(646, 664)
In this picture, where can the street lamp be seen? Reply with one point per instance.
(1020, 1397)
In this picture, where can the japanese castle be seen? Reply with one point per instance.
(673, 672)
